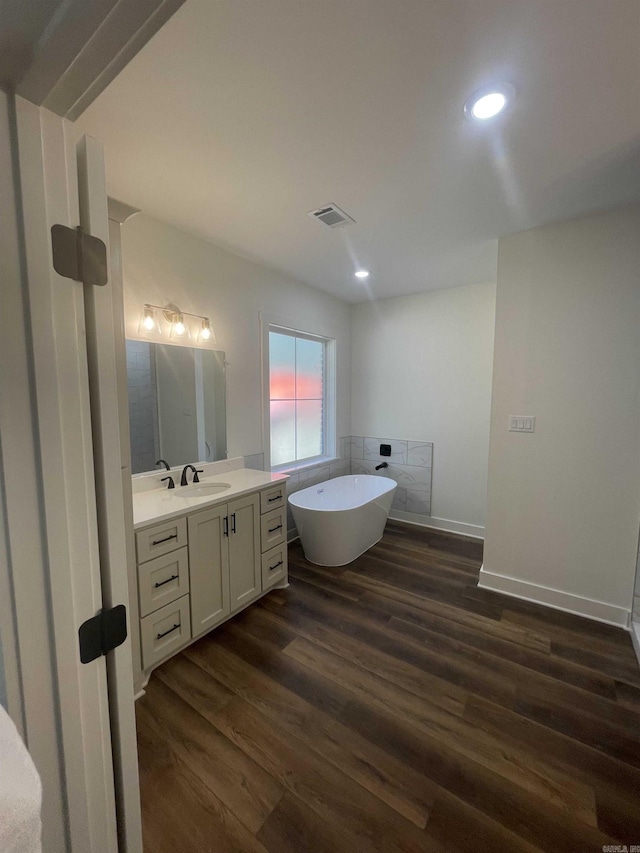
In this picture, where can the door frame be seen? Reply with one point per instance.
(53, 313)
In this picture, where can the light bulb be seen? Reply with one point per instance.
(362, 274)
(205, 334)
(487, 103)
(149, 322)
(179, 327)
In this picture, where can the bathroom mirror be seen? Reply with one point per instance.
(176, 405)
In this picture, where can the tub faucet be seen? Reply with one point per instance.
(382, 465)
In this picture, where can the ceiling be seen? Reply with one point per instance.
(239, 116)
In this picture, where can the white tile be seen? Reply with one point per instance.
(398, 450)
(418, 502)
(356, 450)
(399, 499)
(420, 453)
(344, 447)
(364, 466)
(339, 469)
(410, 477)
(293, 483)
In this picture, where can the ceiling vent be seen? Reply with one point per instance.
(331, 216)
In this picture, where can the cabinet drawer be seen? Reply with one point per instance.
(274, 566)
(273, 498)
(273, 528)
(161, 539)
(162, 580)
(165, 631)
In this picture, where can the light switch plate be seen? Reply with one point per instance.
(522, 423)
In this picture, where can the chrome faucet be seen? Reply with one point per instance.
(196, 479)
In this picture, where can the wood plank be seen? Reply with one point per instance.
(178, 811)
(366, 822)
(392, 668)
(534, 819)
(221, 767)
(457, 826)
(396, 784)
(513, 662)
(460, 737)
(411, 607)
(185, 679)
(309, 606)
(592, 765)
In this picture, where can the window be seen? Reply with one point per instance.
(299, 401)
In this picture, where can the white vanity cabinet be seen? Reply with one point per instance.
(198, 569)
(224, 560)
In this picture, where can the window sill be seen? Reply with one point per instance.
(303, 466)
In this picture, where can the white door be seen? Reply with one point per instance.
(76, 534)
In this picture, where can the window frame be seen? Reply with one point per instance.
(287, 327)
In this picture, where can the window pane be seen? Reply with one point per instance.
(283, 433)
(309, 369)
(309, 428)
(282, 367)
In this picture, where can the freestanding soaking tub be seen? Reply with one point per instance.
(341, 518)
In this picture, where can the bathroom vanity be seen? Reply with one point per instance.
(204, 552)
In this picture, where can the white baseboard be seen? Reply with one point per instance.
(438, 523)
(555, 598)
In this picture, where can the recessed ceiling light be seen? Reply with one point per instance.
(487, 103)
(362, 274)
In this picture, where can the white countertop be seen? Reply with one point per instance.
(155, 505)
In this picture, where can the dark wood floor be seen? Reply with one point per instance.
(393, 706)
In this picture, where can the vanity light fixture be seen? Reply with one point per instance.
(179, 329)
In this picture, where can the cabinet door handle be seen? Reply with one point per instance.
(160, 636)
(277, 498)
(168, 580)
(233, 522)
(273, 529)
(226, 525)
(273, 568)
(167, 539)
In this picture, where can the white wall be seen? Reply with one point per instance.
(421, 370)
(564, 503)
(162, 264)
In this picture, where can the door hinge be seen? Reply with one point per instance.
(78, 255)
(102, 633)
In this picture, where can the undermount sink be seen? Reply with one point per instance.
(200, 490)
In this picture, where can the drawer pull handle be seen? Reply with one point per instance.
(277, 498)
(273, 568)
(168, 580)
(226, 525)
(160, 636)
(233, 522)
(167, 539)
(273, 529)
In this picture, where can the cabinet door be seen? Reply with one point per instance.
(245, 571)
(208, 569)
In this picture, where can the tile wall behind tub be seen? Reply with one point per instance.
(143, 406)
(317, 474)
(409, 465)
